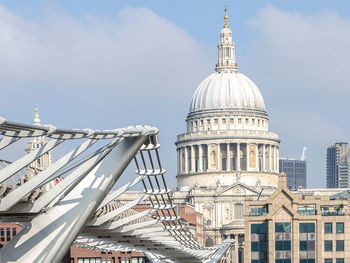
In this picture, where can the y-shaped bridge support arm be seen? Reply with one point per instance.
(48, 237)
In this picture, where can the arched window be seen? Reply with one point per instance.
(252, 156)
(209, 242)
(238, 209)
(224, 155)
(183, 160)
(227, 213)
(189, 156)
(213, 159)
(196, 159)
(205, 157)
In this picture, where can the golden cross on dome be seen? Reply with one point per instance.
(226, 18)
(36, 113)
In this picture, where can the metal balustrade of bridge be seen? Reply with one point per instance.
(83, 209)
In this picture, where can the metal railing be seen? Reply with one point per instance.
(83, 203)
(339, 212)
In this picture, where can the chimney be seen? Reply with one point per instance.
(282, 180)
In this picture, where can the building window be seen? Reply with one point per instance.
(328, 228)
(307, 227)
(238, 210)
(283, 245)
(328, 245)
(284, 227)
(339, 260)
(216, 121)
(303, 245)
(231, 120)
(202, 122)
(2, 234)
(339, 245)
(209, 242)
(258, 211)
(133, 260)
(14, 231)
(283, 241)
(307, 239)
(306, 210)
(208, 121)
(8, 234)
(246, 121)
(253, 121)
(240, 255)
(334, 212)
(340, 227)
(223, 120)
(239, 121)
(255, 246)
(328, 260)
(259, 242)
(259, 228)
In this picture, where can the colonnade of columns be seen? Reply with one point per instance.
(200, 158)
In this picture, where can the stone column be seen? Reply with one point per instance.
(193, 159)
(180, 152)
(278, 159)
(200, 158)
(257, 157)
(228, 160)
(218, 156)
(274, 158)
(178, 160)
(186, 161)
(264, 159)
(270, 158)
(247, 153)
(238, 157)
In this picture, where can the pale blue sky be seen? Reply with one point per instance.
(108, 64)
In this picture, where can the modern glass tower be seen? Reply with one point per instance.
(338, 165)
(295, 171)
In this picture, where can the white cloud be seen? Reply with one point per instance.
(301, 64)
(93, 71)
(309, 53)
(141, 68)
(138, 52)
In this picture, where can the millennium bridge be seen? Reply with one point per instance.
(83, 208)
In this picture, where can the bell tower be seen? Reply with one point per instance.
(34, 143)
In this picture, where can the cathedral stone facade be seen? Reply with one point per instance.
(227, 129)
(228, 155)
(43, 161)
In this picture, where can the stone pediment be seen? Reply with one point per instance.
(282, 196)
(281, 203)
(237, 189)
(236, 224)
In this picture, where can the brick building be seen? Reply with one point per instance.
(78, 254)
(8, 231)
(82, 255)
(190, 217)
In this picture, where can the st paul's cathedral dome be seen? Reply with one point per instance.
(227, 129)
